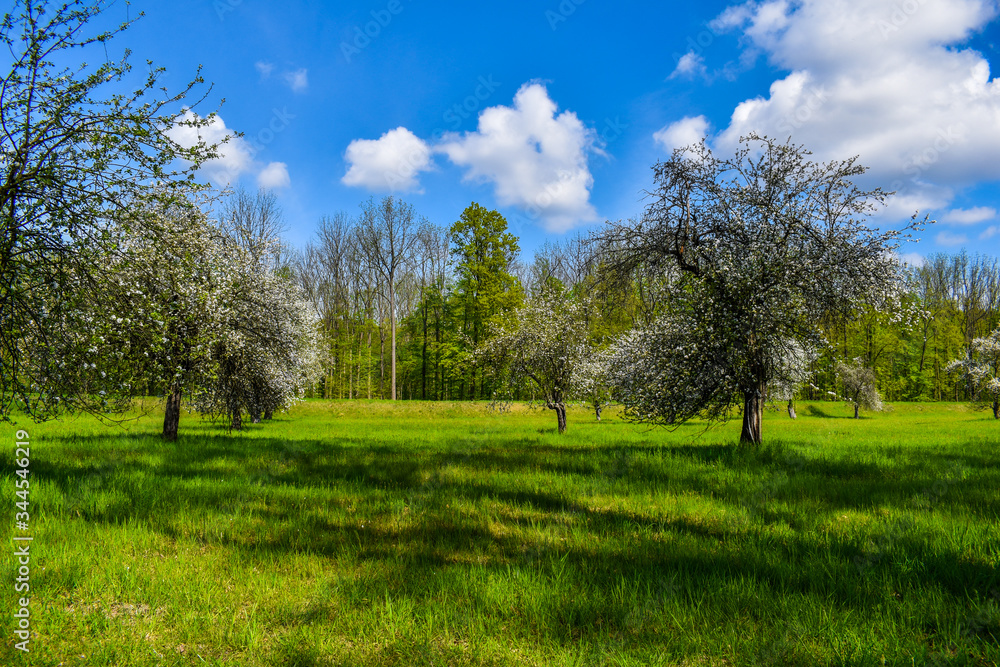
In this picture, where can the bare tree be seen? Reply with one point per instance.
(386, 235)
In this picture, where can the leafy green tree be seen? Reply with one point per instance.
(484, 253)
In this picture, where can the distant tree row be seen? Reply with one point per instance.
(455, 286)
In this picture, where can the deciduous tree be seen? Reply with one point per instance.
(765, 245)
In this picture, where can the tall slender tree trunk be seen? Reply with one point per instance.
(791, 408)
(172, 414)
(369, 362)
(392, 324)
(560, 409)
(236, 424)
(856, 415)
(423, 357)
(753, 415)
(996, 409)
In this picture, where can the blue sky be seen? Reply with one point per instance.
(553, 112)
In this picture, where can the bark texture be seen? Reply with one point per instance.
(172, 414)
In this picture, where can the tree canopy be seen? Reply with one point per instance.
(757, 250)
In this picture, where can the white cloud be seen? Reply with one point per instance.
(949, 239)
(535, 158)
(235, 156)
(388, 164)
(885, 80)
(989, 232)
(690, 64)
(914, 259)
(970, 216)
(683, 133)
(264, 68)
(298, 80)
(274, 175)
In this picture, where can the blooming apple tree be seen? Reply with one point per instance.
(859, 386)
(266, 353)
(765, 245)
(540, 350)
(981, 369)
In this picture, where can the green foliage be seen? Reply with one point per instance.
(76, 158)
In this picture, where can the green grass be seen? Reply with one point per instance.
(363, 533)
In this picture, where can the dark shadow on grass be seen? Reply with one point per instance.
(280, 497)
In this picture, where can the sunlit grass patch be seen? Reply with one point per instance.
(416, 533)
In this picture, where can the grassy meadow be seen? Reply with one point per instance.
(366, 533)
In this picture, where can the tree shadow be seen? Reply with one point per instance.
(421, 511)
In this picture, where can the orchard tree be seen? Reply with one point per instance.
(859, 386)
(762, 247)
(592, 381)
(540, 350)
(981, 370)
(794, 371)
(77, 157)
(266, 353)
(179, 271)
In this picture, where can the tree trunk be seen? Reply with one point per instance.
(256, 417)
(856, 416)
(791, 409)
(597, 409)
(753, 414)
(423, 357)
(996, 409)
(392, 324)
(237, 421)
(268, 414)
(172, 414)
(560, 409)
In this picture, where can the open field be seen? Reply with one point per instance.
(363, 533)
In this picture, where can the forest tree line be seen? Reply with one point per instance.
(455, 284)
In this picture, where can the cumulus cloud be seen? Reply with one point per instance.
(885, 80)
(970, 216)
(273, 176)
(390, 163)
(683, 133)
(298, 80)
(235, 156)
(535, 157)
